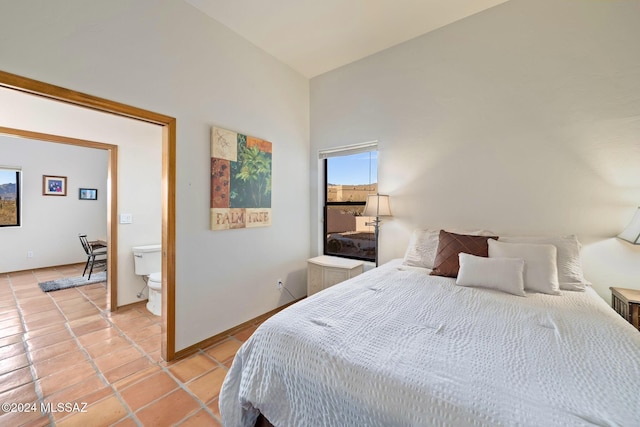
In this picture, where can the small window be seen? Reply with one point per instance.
(349, 179)
(9, 197)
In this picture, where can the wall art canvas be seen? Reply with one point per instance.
(240, 180)
(88, 194)
(54, 185)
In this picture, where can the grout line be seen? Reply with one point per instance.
(86, 295)
(183, 386)
(106, 315)
(98, 373)
(36, 385)
(121, 333)
(81, 347)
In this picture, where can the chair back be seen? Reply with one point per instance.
(85, 244)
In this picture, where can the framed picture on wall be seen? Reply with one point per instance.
(54, 185)
(88, 194)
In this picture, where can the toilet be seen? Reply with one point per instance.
(148, 263)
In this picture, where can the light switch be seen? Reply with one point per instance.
(126, 218)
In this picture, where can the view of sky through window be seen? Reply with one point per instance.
(355, 169)
(7, 176)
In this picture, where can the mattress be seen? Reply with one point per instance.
(398, 347)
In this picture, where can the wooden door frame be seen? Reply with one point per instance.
(34, 87)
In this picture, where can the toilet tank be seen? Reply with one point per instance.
(147, 259)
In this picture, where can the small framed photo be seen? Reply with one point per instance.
(88, 194)
(54, 185)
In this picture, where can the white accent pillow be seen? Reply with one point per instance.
(422, 248)
(540, 268)
(502, 274)
(570, 274)
(423, 245)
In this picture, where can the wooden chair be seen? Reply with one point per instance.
(96, 254)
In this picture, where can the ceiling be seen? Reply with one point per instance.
(316, 36)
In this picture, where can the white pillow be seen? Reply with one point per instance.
(540, 268)
(423, 245)
(568, 261)
(422, 248)
(502, 274)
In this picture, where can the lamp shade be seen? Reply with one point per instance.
(632, 232)
(377, 205)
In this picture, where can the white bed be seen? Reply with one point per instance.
(398, 347)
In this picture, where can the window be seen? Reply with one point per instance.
(349, 178)
(9, 197)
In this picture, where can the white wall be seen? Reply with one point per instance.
(58, 218)
(139, 171)
(522, 119)
(168, 57)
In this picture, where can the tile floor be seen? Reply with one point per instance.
(65, 347)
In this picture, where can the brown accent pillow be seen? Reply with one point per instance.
(450, 245)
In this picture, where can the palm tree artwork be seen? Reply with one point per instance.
(251, 176)
(240, 180)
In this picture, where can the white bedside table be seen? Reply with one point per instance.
(325, 271)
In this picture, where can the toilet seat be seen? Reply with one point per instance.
(155, 280)
(154, 305)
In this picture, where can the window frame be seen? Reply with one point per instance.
(326, 206)
(18, 172)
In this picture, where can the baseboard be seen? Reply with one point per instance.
(132, 305)
(226, 334)
(42, 268)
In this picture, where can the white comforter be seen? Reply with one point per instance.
(397, 347)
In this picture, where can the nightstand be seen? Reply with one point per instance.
(325, 271)
(627, 303)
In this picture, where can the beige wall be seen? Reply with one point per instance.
(58, 218)
(168, 57)
(521, 119)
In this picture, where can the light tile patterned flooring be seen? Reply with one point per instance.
(65, 347)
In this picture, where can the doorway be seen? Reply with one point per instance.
(111, 195)
(168, 124)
